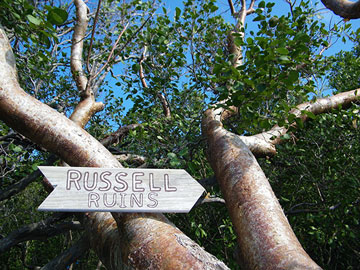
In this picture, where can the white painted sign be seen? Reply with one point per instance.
(80, 189)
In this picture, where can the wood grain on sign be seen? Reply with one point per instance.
(80, 189)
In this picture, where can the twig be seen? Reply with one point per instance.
(92, 36)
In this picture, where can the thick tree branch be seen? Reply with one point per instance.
(264, 143)
(240, 17)
(344, 8)
(142, 236)
(265, 238)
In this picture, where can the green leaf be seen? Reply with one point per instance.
(310, 114)
(282, 51)
(291, 118)
(33, 20)
(57, 16)
(293, 76)
(284, 58)
(177, 13)
(184, 151)
(285, 137)
(171, 155)
(17, 149)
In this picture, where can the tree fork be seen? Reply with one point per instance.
(71, 143)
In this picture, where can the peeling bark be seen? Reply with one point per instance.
(174, 251)
(76, 62)
(85, 110)
(71, 143)
(265, 238)
(87, 107)
(344, 8)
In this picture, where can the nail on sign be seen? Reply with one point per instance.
(80, 189)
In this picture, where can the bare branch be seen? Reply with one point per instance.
(210, 200)
(92, 36)
(131, 158)
(39, 231)
(232, 8)
(164, 102)
(112, 51)
(19, 186)
(118, 135)
(124, 45)
(251, 9)
(141, 70)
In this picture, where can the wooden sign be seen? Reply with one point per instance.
(80, 189)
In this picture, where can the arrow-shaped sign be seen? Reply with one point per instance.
(80, 189)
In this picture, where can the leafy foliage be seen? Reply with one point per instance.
(345, 71)
(280, 62)
(311, 175)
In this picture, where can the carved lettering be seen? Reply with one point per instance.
(121, 181)
(106, 203)
(167, 184)
(122, 200)
(87, 180)
(93, 197)
(139, 201)
(73, 176)
(104, 179)
(151, 183)
(136, 182)
(154, 201)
